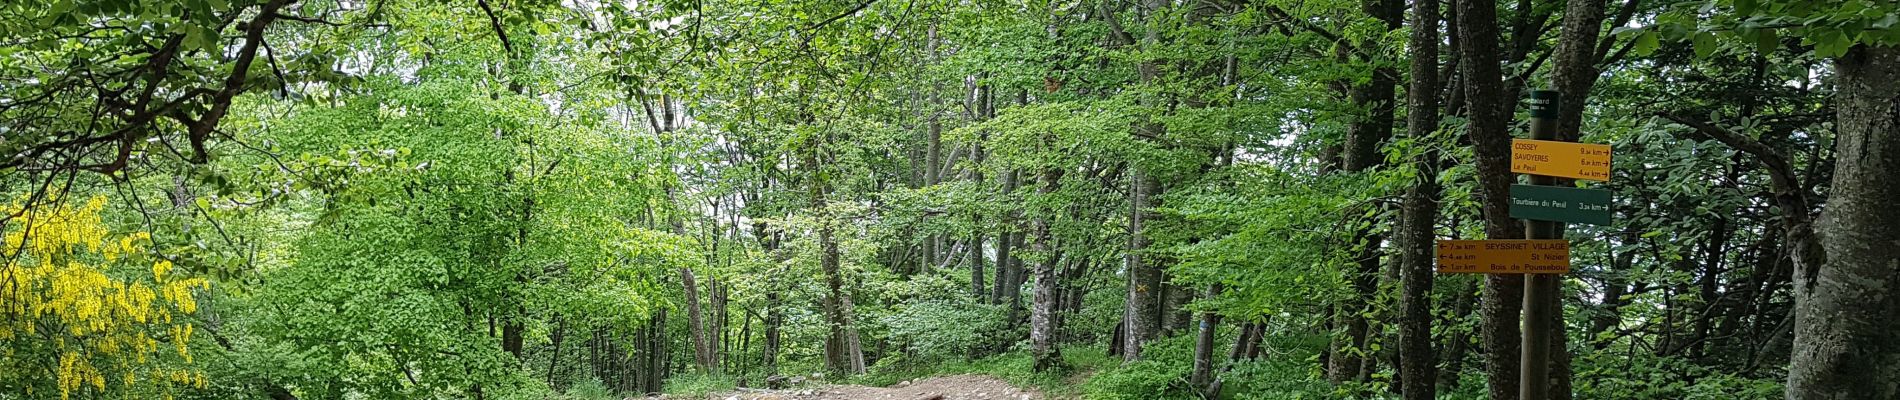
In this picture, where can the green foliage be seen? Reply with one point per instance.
(1286, 372)
(588, 389)
(1161, 373)
(426, 199)
(1826, 28)
(1646, 376)
(941, 329)
(699, 385)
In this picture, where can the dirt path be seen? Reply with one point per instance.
(955, 387)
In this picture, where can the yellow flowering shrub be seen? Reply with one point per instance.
(79, 311)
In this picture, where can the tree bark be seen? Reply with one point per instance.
(1202, 374)
(1042, 321)
(702, 349)
(1847, 341)
(655, 371)
(1142, 309)
(1143, 306)
(1574, 75)
(1491, 143)
(1360, 152)
(843, 353)
(1005, 271)
(1418, 365)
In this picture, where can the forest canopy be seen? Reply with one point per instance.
(1099, 199)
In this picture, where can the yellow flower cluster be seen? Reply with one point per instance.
(56, 276)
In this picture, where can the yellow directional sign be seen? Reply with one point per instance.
(1561, 159)
(1549, 256)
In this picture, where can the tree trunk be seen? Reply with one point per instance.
(977, 288)
(981, 108)
(1491, 143)
(1142, 310)
(1202, 374)
(1042, 321)
(655, 371)
(1004, 241)
(1143, 307)
(1574, 75)
(1175, 317)
(1847, 341)
(1418, 365)
(702, 349)
(1359, 153)
(717, 299)
(1457, 342)
(774, 318)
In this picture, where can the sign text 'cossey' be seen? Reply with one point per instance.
(1545, 256)
(1561, 159)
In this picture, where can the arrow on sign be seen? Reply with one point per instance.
(1561, 159)
(1539, 256)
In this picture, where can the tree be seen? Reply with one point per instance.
(1840, 285)
(90, 312)
(1418, 369)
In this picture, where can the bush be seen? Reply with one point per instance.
(939, 329)
(1286, 371)
(1161, 374)
(1642, 375)
(588, 389)
(694, 384)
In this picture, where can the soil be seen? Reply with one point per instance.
(955, 387)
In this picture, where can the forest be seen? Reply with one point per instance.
(1071, 199)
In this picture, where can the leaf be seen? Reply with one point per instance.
(199, 38)
(1830, 43)
(1766, 41)
(1704, 44)
(1647, 43)
(1886, 22)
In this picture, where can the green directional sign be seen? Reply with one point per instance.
(1562, 204)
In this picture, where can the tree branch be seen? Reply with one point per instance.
(847, 13)
(1309, 26)
(234, 84)
(308, 19)
(495, 23)
(1779, 169)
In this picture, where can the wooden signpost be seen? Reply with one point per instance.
(1545, 204)
(1540, 291)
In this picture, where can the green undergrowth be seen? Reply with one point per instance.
(587, 389)
(697, 385)
(1284, 371)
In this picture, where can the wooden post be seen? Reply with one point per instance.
(1540, 290)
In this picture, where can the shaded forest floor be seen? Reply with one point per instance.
(953, 387)
(1007, 376)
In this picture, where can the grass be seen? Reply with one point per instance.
(699, 385)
